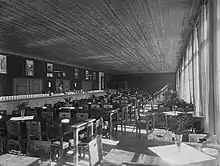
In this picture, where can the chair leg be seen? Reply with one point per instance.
(125, 127)
(84, 152)
(121, 127)
(80, 151)
(139, 133)
(136, 129)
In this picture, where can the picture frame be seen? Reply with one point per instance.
(49, 68)
(76, 73)
(3, 64)
(29, 67)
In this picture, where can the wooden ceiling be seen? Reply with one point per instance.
(115, 36)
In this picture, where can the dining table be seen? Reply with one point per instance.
(157, 152)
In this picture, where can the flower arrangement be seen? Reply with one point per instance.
(22, 105)
(170, 98)
(179, 124)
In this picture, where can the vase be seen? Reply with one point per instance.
(178, 140)
(22, 112)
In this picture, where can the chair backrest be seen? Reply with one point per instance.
(34, 130)
(16, 113)
(48, 105)
(124, 101)
(13, 130)
(110, 106)
(64, 115)
(95, 106)
(47, 114)
(53, 131)
(39, 111)
(95, 151)
(82, 116)
(31, 112)
(95, 113)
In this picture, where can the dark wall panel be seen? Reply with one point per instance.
(16, 68)
(150, 82)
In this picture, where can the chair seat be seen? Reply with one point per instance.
(83, 144)
(57, 143)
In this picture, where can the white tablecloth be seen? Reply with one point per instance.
(172, 113)
(187, 154)
(23, 118)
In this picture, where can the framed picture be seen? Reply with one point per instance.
(87, 75)
(49, 74)
(76, 73)
(3, 64)
(29, 68)
(94, 75)
(49, 68)
(49, 84)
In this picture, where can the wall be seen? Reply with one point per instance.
(150, 82)
(16, 69)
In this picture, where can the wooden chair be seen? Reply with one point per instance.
(111, 121)
(16, 136)
(35, 146)
(83, 146)
(95, 151)
(55, 137)
(147, 123)
(34, 130)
